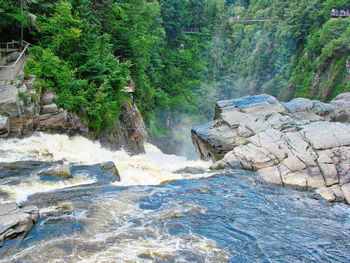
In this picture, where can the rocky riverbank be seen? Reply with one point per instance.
(302, 143)
(16, 221)
(25, 108)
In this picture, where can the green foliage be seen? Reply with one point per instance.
(321, 70)
(284, 56)
(10, 13)
(87, 51)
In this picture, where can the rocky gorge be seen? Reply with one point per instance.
(304, 144)
(25, 107)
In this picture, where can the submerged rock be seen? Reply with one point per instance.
(103, 172)
(301, 143)
(15, 221)
(61, 172)
(110, 167)
(190, 170)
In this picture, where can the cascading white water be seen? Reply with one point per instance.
(229, 217)
(150, 168)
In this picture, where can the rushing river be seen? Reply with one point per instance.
(165, 209)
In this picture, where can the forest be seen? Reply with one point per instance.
(182, 55)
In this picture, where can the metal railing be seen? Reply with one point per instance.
(11, 46)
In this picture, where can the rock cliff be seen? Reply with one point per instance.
(302, 143)
(24, 108)
(128, 133)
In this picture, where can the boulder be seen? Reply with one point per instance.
(4, 126)
(103, 172)
(301, 143)
(110, 167)
(48, 109)
(60, 172)
(15, 221)
(30, 82)
(341, 107)
(22, 88)
(48, 97)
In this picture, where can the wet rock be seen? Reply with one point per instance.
(15, 221)
(190, 170)
(61, 172)
(110, 167)
(14, 173)
(4, 126)
(103, 172)
(295, 144)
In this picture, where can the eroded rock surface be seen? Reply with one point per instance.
(129, 132)
(15, 221)
(303, 143)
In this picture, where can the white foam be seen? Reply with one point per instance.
(151, 168)
(32, 185)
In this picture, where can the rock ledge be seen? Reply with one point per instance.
(15, 221)
(302, 143)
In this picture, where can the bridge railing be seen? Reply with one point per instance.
(340, 13)
(191, 30)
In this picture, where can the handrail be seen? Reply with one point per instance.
(20, 55)
(252, 20)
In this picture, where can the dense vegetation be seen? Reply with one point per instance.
(88, 50)
(302, 51)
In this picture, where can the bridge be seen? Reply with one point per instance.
(239, 20)
(340, 13)
(192, 31)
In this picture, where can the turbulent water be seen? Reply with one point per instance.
(165, 209)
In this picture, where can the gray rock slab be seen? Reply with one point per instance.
(16, 221)
(302, 143)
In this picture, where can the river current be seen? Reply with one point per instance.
(165, 209)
